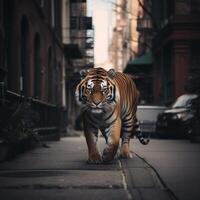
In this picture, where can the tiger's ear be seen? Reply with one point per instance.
(111, 73)
(83, 73)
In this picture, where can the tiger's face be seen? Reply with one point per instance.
(97, 92)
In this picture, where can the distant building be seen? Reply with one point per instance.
(139, 62)
(170, 31)
(120, 49)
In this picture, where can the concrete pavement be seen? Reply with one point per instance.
(178, 164)
(61, 172)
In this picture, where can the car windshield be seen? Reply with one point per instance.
(183, 101)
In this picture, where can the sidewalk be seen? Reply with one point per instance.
(61, 172)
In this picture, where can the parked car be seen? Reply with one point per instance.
(176, 121)
(147, 116)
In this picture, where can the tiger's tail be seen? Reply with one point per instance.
(140, 135)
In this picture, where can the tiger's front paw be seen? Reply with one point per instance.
(109, 153)
(94, 158)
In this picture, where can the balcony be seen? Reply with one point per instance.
(144, 24)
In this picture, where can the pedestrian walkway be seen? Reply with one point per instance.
(61, 172)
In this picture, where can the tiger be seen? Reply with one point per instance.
(108, 101)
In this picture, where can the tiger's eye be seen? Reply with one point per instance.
(89, 90)
(84, 98)
(90, 84)
(105, 90)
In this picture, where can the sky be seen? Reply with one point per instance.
(103, 22)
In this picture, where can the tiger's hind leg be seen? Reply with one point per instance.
(125, 150)
(127, 132)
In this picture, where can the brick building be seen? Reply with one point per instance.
(176, 46)
(140, 62)
(32, 59)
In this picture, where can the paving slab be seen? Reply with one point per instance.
(69, 153)
(66, 194)
(154, 194)
(61, 179)
(134, 162)
(142, 178)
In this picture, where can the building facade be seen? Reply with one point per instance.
(120, 50)
(32, 59)
(132, 43)
(78, 42)
(141, 63)
(170, 31)
(176, 46)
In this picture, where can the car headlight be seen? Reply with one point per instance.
(182, 115)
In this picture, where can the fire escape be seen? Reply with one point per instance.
(81, 48)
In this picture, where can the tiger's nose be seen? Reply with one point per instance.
(97, 101)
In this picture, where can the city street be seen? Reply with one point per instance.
(164, 169)
(111, 65)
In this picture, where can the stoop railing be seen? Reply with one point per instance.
(48, 120)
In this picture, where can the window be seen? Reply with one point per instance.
(37, 66)
(49, 75)
(24, 68)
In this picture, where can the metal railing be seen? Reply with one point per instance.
(45, 118)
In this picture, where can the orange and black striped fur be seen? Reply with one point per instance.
(109, 102)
